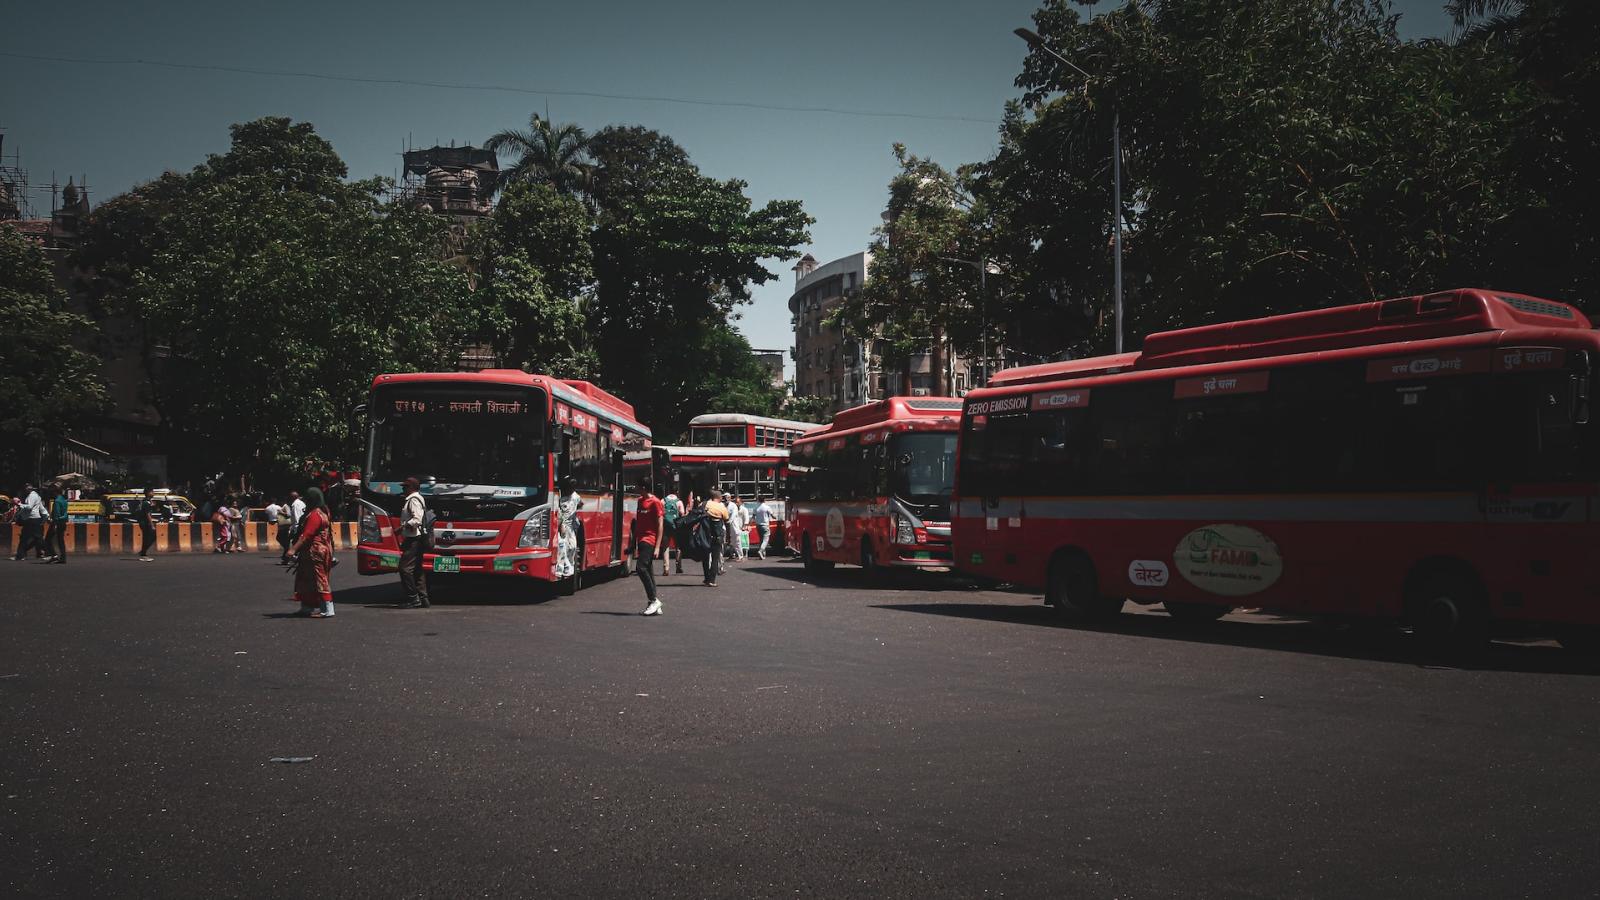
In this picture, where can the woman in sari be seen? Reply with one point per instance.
(313, 555)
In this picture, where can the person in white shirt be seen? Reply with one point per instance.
(295, 511)
(739, 525)
(763, 517)
(413, 515)
(31, 517)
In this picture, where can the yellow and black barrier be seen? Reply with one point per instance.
(171, 537)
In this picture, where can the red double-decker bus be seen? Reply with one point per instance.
(491, 448)
(1429, 459)
(873, 488)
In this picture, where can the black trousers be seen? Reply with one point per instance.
(413, 577)
(713, 560)
(148, 536)
(644, 564)
(284, 535)
(31, 531)
(56, 541)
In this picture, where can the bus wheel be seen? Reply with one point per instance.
(812, 564)
(869, 560)
(1195, 612)
(573, 582)
(1448, 613)
(1074, 591)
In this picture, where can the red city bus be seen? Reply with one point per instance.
(744, 455)
(491, 448)
(740, 430)
(747, 472)
(874, 487)
(1427, 459)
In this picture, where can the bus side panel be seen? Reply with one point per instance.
(1531, 571)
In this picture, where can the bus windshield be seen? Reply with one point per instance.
(467, 438)
(923, 466)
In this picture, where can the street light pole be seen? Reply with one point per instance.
(1037, 43)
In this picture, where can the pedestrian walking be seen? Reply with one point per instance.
(143, 509)
(235, 526)
(569, 542)
(739, 525)
(31, 516)
(56, 540)
(415, 538)
(672, 508)
(219, 529)
(313, 554)
(648, 522)
(717, 515)
(294, 511)
(763, 516)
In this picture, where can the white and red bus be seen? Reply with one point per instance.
(744, 455)
(491, 448)
(873, 488)
(740, 430)
(1428, 459)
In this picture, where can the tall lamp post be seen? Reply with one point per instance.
(1037, 43)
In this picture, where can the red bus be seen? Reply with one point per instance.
(874, 487)
(491, 448)
(740, 430)
(1427, 459)
(744, 455)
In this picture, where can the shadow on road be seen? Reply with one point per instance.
(1293, 635)
(466, 590)
(854, 578)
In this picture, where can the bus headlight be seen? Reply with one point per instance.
(536, 531)
(905, 530)
(369, 528)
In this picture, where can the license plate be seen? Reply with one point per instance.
(446, 564)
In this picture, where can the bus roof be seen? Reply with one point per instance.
(1416, 318)
(742, 419)
(776, 454)
(933, 412)
(571, 390)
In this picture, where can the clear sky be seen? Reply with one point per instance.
(123, 124)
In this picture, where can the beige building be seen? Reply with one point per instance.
(828, 363)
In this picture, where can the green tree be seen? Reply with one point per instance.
(923, 293)
(1257, 182)
(675, 255)
(47, 384)
(272, 293)
(538, 270)
(545, 153)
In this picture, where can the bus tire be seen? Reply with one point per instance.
(1195, 612)
(1448, 610)
(1074, 590)
(572, 583)
(869, 560)
(813, 565)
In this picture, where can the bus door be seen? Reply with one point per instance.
(617, 501)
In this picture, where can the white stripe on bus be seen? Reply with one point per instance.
(1451, 507)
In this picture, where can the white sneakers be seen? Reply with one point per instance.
(654, 609)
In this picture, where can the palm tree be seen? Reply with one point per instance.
(556, 155)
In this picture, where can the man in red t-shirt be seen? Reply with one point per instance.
(647, 526)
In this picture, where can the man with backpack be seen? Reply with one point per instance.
(416, 537)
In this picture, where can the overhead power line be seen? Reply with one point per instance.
(512, 89)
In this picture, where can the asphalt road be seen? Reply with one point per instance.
(774, 737)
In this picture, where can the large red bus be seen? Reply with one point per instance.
(744, 455)
(1429, 459)
(873, 488)
(491, 449)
